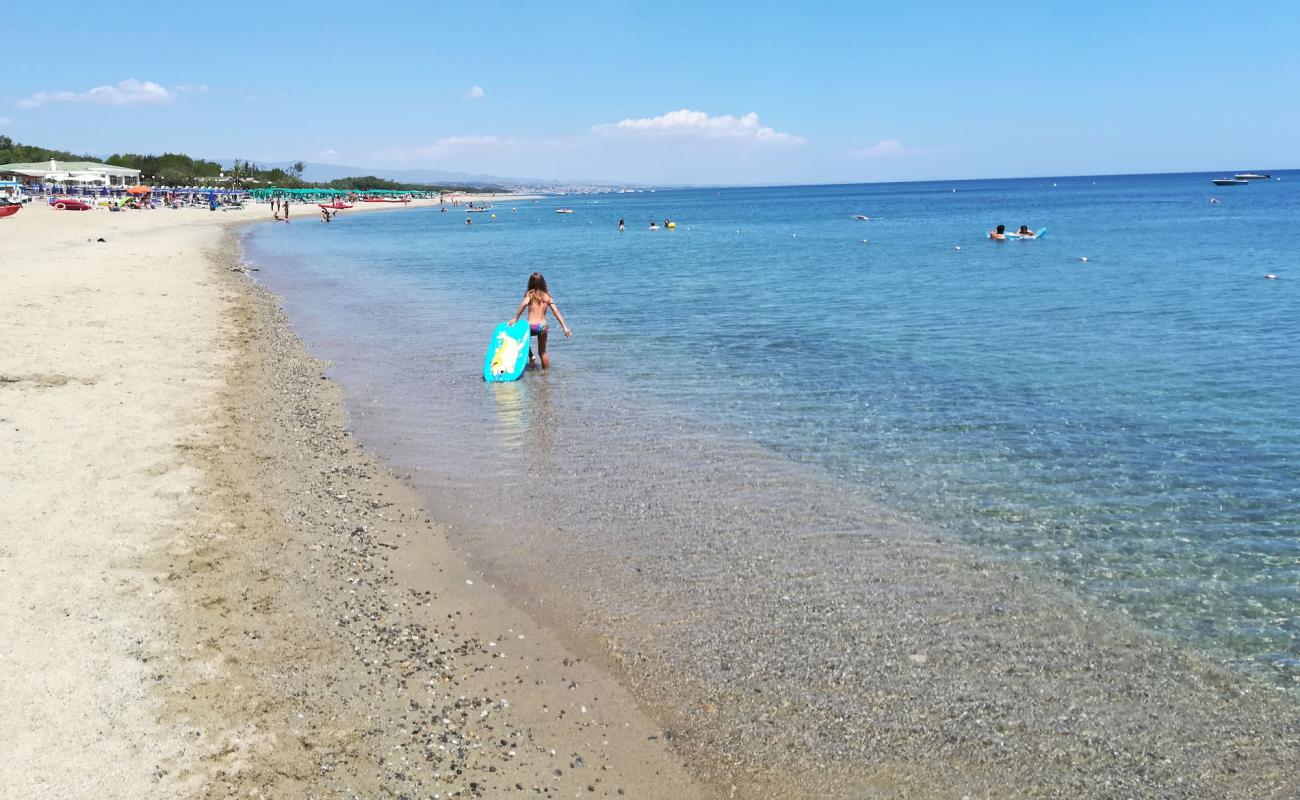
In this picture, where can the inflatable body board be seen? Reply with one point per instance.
(1041, 233)
(507, 352)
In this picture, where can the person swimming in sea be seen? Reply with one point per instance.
(999, 234)
(537, 301)
(1025, 233)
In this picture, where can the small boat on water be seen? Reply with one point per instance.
(861, 217)
(1251, 176)
(563, 211)
(1229, 182)
(477, 209)
(10, 209)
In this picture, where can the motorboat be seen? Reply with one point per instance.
(861, 217)
(70, 204)
(1251, 176)
(1230, 182)
(563, 211)
(477, 209)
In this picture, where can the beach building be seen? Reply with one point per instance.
(11, 192)
(77, 172)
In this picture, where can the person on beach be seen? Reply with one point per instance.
(285, 205)
(998, 234)
(1025, 233)
(537, 300)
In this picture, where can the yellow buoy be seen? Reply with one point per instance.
(494, 216)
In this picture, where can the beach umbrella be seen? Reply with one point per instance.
(138, 190)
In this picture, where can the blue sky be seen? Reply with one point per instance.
(669, 92)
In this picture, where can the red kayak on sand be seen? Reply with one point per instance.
(70, 204)
(334, 205)
(9, 211)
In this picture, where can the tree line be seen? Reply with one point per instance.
(171, 169)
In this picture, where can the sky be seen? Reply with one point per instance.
(669, 92)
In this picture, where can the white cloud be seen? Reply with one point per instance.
(459, 146)
(885, 148)
(6, 121)
(126, 93)
(196, 88)
(475, 93)
(699, 125)
(327, 153)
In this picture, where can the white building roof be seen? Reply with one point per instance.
(41, 168)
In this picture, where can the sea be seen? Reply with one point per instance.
(750, 396)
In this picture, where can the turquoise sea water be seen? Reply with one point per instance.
(1124, 424)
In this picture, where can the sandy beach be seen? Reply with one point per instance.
(211, 591)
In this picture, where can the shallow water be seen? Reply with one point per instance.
(749, 395)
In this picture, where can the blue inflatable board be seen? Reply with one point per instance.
(507, 352)
(1041, 233)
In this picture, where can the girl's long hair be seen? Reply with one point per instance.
(537, 283)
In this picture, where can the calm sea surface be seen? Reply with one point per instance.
(1114, 405)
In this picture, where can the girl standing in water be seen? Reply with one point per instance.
(537, 300)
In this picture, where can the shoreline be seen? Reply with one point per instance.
(297, 624)
(423, 644)
(270, 651)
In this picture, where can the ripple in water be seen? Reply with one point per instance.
(1124, 425)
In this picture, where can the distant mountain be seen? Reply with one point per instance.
(327, 172)
(321, 173)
